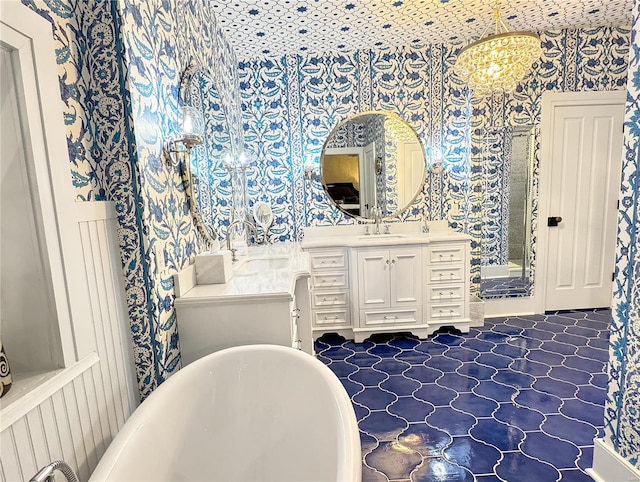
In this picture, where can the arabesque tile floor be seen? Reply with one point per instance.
(520, 399)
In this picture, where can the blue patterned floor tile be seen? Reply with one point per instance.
(546, 357)
(558, 348)
(560, 454)
(411, 409)
(602, 344)
(570, 375)
(493, 360)
(391, 366)
(474, 404)
(585, 461)
(556, 387)
(594, 353)
(502, 436)
(372, 475)
(505, 349)
(584, 364)
(524, 418)
(540, 401)
(478, 457)
(383, 426)
(374, 398)
(536, 369)
(480, 346)
(515, 387)
(384, 351)
(427, 440)
(368, 377)
(495, 391)
(423, 374)
(365, 360)
(514, 379)
(435, 394)
(438, 469)
(393, 459)
(443, 363)
(588, 393)
(361, 411)
(352, 387)
(599, 380)
(455, 381)
(412, 357)
(575, 475)
(580, 410)
(367, 442)
(477, 371)
(400, 385)
(342, 369)
(518, 467)
(451, 421)
(575, 431)
(462, 354)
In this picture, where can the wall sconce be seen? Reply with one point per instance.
(309, 172)
(192, 131)
(378, 165)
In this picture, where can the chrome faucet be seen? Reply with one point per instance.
(46, 473)
(377, 213)
(233, 223)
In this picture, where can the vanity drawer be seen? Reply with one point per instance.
(446, 311)
(445, 254)
(448, 293)
(328, 318)
(411, 316)
(330, 298)
(329, 260)
(331, 279)
(445, 273)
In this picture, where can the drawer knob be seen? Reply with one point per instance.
(390, 317)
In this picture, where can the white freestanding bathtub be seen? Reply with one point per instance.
(248, 413)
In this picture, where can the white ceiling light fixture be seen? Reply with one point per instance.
(498, 62)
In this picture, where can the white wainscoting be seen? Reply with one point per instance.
(74, 415)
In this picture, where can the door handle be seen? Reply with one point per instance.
(553, 220)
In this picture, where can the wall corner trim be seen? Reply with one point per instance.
(609, 466)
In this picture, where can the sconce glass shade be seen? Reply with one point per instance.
(498, 62)
(192, 126)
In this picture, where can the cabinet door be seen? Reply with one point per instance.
(373, 278)
(406, 276)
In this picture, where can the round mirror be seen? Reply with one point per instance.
(374, 159)
(208, 158)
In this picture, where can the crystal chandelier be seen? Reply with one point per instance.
(498, 62)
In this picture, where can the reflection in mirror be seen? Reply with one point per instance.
(263, 216)
(373, 159)
(508, 154)
(208, 159)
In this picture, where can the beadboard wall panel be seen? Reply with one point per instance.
(78, 421)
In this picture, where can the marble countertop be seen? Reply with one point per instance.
(399, 234)
(268, 271)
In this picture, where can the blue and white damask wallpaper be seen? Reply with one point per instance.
(291, 103)
(622, 415)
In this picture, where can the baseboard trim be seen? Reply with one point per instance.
(609, 466)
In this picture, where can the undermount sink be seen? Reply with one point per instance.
(254, 265)
(381, 236)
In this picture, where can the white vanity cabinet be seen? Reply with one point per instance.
(406, 281)
(447, 284)
(330, 293)
(387, 286)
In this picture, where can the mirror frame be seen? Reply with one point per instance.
(377, 163)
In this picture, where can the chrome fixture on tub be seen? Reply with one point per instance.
(46, 473)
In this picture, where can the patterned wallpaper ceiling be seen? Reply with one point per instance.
(259, 28)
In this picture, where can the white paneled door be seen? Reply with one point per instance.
(580, 166)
